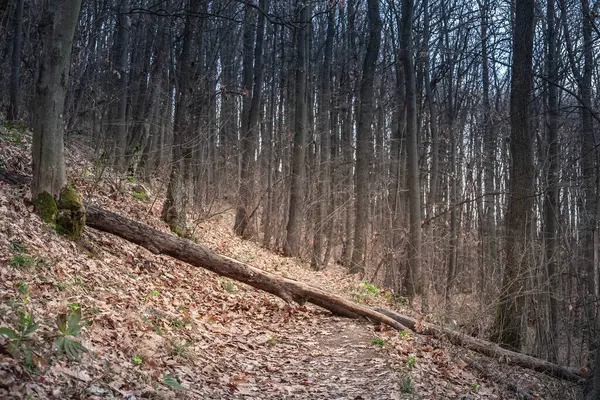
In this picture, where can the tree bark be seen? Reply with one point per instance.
(247, 130)
(56, 30)
(324, 133)
(15, 66)
(508, 330)
(414, 284)
(174, 210)
(294, 225)
(120, 60)
(364, 141)
(551, 205)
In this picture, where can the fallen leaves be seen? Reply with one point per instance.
(198, 336)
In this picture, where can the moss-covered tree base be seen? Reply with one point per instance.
(46, 207)
(66, 216)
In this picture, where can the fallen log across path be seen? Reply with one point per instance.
(159, 242)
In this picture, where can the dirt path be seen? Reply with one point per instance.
(335, 360)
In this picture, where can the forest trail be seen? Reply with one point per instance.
(161, 329)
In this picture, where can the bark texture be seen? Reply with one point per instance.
(56, 30)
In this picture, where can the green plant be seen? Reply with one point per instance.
(23, 288)
(21, 261)
(177, 323)
(180, 348)
(17, 247)
(377, 341)
(410, 362)
(131, 179)
(403, 334)
(74, 306)
(154, 293)
(475, 387)
(172, 382)
(18, 340)
(228, 286)
(69, 326)
(137, 360)
(272, 341)
(15, 138)
(140, 196)
(371, 288)
(407, 384)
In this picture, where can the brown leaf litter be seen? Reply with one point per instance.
(152, 320)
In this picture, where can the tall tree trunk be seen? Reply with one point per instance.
(551, 206)
(414, 284)
(364, 141)
(15, 66)
(324, 133)
(249, 96)
(489, 149)
(174, 211)
(508, 325)
(56, 28)
(120, 60)
(294, 224)
(589, 165)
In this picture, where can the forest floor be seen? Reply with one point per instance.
(158, 328)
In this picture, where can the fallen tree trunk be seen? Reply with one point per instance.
(294, 291)
(200, 256)
(487, 348)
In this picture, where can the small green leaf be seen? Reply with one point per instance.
(28, 356)
(172, 382)
(137, 360)
(31, 327)
(9, 333)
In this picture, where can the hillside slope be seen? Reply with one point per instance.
(158, 328)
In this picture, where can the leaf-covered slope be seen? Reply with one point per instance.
(158, 328)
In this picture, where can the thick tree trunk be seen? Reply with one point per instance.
(174, 210)
(551, 204)
(364, 141)
(250, 115)
(294, 225)
(508, 329)
(56, 29)
(324, 133)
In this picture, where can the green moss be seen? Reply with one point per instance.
(46, 207)
(179, 231)
(71, 213)
(69, 199)
(140, 196)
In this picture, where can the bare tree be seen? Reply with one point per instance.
(413, 282)
(294, 224)
(508, 330)
(363, 140)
